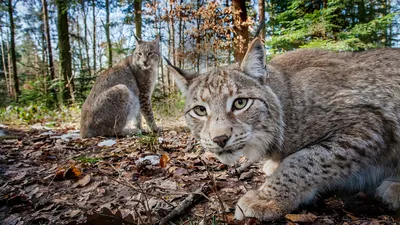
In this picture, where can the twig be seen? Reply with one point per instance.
(211, 176)
(186, 204)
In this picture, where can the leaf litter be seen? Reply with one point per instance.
(54, 177)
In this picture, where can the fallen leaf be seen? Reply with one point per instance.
(84, 181)
(301, 218)
(164, 160)
(73, 172)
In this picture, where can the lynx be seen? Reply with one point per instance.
(121, 94)
(331, 119)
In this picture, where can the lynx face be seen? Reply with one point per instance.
(146, 54)
(230, 110)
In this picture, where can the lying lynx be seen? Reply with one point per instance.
(121, 93)
(333, 118)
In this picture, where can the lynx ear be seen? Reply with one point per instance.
(182, 78)
(253, 63)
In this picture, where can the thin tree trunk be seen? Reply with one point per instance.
(48, 40)
(12, 50)
(10, 76)
(94, 35)
(198, 39)
(86, 38)
(180, 37)
(240, 15)
(50, 61)
(137, 7)
(261, 13)
(65, 52)
(81, 62)
(5, 69)
(107, 28)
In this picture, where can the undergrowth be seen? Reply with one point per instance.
(30, 112)
(39, 113)
(169, 106)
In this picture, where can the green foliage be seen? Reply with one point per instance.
(149, 141)
(17, 114)
(340, 25)
(34, 92)
(170, 105)
(88, 160)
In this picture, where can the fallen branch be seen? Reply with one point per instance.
(187, 203)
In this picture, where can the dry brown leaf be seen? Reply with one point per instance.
(164, 160)
(84, 181)
(301, 218)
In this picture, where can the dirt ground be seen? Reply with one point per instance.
(54, 177)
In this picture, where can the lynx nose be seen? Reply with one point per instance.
(221, 140)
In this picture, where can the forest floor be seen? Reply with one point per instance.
(51, 176)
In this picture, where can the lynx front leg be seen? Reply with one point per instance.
(389, 193)
(147, 112)
(301, 175)
(134, 119)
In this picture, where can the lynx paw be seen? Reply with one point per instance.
(254, 204)
(389, 193)
(156, 130)
(131, 131)
(269, 167)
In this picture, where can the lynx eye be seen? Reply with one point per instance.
(239, 103)
(200, 110)
(140, 54)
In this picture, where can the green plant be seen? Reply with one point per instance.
(149, 141)
(171, 105)
(88, 160)
(39, 113)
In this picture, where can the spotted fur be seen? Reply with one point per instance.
(333, 120)
(121, 94)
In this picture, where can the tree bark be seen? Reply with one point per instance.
(48, 39)
(17, 92)
(107, 28)
(94, 35)
(137, 7)
(86, 38)
(242, 31)
(49, 52)
(261, 13)
(67, 86)
(5, 69)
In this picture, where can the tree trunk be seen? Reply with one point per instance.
(137, 7)
(261, 13)
(107, 28)
(86, 38)
(64, 52)
(242, 32)
(5, 69)
(17, 92)
(81, 63)
(10, 77)
(50, 70)
(94, 35)
(48, 39)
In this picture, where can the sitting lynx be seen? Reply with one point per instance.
(121, 93)
(334, 119)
